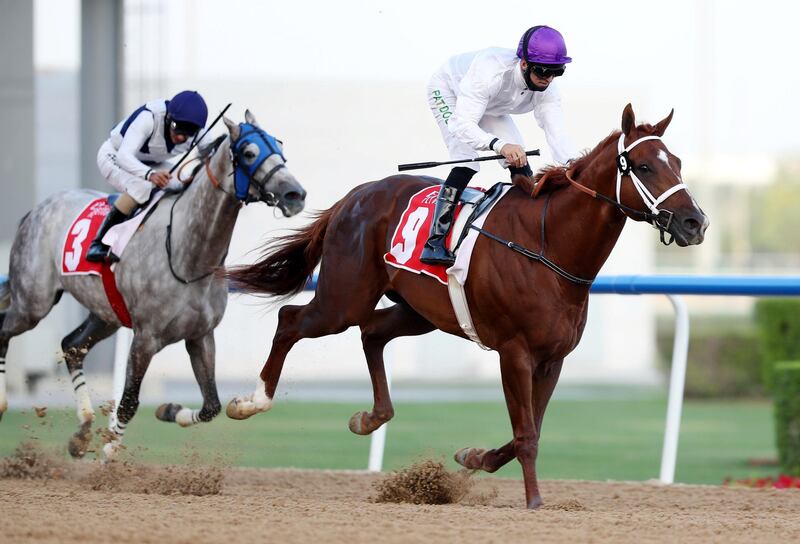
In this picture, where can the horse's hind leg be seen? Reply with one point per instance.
(294, 323)
(202, 353)
(340, 311)
(15, 322)
(384, 326)
(75, 347)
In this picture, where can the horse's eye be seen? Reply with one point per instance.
(249, 153)
(644, 168)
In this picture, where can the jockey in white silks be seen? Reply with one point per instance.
(472, 97)
(133, 158)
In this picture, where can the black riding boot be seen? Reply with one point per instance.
(435, 252)
(98, 251)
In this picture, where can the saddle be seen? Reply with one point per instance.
(481, 201)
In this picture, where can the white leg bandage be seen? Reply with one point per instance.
(187, 417)
(84, 402)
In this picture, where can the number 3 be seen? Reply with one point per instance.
(80, 231)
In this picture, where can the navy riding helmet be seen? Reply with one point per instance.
(188, 110)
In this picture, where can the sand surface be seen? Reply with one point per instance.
(87, 502)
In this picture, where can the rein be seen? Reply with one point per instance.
(537, 257)
(168, 244)
(658, 218)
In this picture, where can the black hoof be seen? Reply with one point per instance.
(167, 412)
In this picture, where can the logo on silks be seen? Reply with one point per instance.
(245, 168)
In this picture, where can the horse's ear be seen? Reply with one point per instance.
(233, 128)
(664, 123)
(628, 119)
(250, 118)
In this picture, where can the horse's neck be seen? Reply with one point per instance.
(205, 216)
(580, 231)
(588, 227)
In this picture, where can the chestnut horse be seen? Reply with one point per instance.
(532, 315)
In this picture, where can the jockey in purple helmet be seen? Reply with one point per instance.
(472, 97)
(133, 158)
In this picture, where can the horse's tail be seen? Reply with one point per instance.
(287, 261)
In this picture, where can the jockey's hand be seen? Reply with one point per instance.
(159, 178)
(514, 154)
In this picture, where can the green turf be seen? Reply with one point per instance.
(596, 440)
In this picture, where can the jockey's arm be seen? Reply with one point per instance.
(135, 137)
(550, 118)
(470, 107)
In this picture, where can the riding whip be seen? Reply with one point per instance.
(420, 165)
(197, 140)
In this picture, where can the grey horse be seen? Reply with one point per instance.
(171, 295)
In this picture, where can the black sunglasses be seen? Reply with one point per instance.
(185, 129)
(545, 72)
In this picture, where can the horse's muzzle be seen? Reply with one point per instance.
(689, 229)
(292, 202)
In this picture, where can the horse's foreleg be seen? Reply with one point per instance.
(75, 346)
(202, 354)
(544, 382)
(383, 326)
(141, 353)
(517, 375)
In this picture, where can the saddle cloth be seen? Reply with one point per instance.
(118, 236)
(73, 254)
(412, 231)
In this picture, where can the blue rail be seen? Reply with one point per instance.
(698, 285)
(666, 284)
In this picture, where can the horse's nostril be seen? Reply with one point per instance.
(691, 225)
(294, 195)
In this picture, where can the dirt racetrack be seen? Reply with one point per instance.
(86, 503)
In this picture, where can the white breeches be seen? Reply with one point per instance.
(442, 102)
(123, 181)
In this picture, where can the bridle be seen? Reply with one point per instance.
(244, 173)
(243, 179)
(660, 219)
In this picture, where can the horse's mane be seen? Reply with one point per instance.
(207, 151)
(557, 175)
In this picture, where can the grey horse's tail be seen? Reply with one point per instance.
(287, 262)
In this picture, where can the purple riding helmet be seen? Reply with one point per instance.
(542, 45)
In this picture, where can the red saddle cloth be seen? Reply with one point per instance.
(73, 255)
(412, 232)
